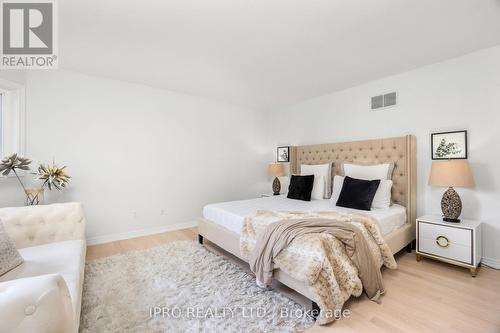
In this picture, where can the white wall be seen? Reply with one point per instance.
(462, 93)
(140, 158)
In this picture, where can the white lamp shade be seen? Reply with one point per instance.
(451, 173)
(276, 170)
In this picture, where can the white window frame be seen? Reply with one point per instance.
(13, 118)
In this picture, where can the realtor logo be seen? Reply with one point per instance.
(28, 35)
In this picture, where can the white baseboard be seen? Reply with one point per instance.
(140, 233)
(493, 263)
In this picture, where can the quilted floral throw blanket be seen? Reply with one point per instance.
(320, 259)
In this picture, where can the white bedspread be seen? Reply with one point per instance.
(231, 214)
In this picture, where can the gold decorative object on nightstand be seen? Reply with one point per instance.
(457, 244)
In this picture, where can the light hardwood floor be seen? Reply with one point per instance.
(425, 296)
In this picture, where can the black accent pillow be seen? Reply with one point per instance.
(358, 193)
(300, 187)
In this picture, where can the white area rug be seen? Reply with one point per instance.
(195, 290)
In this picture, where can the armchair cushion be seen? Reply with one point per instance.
(9, 256)
(44, 293)
(64, 258)
(36, 304)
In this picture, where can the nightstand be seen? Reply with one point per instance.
(454, 243)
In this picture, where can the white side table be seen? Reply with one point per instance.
(454, 243)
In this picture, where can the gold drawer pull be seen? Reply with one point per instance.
(442, 241)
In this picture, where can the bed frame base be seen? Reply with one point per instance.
(230, 242)
(411, 246)
(315, 309)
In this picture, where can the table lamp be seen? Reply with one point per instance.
(451, 173)
(276, 170)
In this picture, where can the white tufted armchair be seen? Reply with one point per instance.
(44, 293)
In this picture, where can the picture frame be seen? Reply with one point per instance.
(449, 145)
(283, 154)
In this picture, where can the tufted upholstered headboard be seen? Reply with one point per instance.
(400, 150)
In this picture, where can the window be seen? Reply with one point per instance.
(11, 118)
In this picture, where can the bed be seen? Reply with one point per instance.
(221, 222)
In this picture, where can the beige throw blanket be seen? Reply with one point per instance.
(277, 236)
(320, 260)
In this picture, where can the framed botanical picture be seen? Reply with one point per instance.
(283, 154)
(449, 145)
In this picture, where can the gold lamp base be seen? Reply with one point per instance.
(451, 206)
(276, 186)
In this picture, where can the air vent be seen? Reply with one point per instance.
(383, 101)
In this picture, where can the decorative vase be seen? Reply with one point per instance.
(276, 186)
(451, 205)
(34, 196)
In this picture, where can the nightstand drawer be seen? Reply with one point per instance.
(451, 251)
(453, 235)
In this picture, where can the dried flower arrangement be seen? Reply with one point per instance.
(11, 164)
(52, 176)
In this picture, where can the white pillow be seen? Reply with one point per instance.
(368, 172)
(318, 191)
(382, 198)
(319, 170)
(338, 182)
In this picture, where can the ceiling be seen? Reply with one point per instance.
(268, 53)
